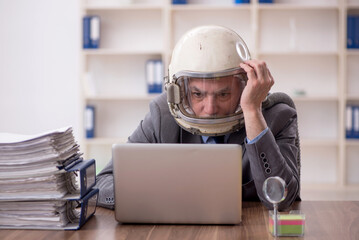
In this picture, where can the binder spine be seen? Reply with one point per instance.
(242, 1)
(350, 31)
(158, 76)
(356, 122)
(349, 122)
(86, 170)
(150, 75)
(91, 32)
(86, 32)
(352, 121)
(154, 76)
(95, 32)
(179, 1)
(88, 206)
(90, 121)
(356, 31)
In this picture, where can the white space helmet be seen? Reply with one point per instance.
(205, 82)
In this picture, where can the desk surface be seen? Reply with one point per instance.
(324, 220)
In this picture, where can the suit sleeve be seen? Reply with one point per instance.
(275, 154)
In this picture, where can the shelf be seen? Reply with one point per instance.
(123, 7)
(319, 142)
(331, 192)
(288, 6)
(105, 52)
(301, 53)
(353, 4)
(353, 98)
(330, 187)
(148, 97)
(205, 7)
(352, 142)
(315, 98)
(104, 141)
(352, 52)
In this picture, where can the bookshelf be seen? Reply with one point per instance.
(303, 43)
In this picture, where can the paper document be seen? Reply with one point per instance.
(44, 181)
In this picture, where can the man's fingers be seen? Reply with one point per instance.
(249, 70)
(259, 67)
(270, 77)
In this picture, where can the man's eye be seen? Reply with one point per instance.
(224, 94)
(197, 94)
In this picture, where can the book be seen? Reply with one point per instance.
(46, 177)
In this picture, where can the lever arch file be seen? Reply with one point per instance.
(73, 183)
(44, 181)
(352, 121)
(61, 214)
(90, 121)
(91, 32)
(86, 170)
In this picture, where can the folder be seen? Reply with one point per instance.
(179, 1)
(86, 171)
(72, 183)
(59, 214)
(86, 25)
(242, 1)
(349, 122)
(91, 32)
(356, 31)
(351, 31)
(356, 122)
(158, 76)
(44, 181)
(154, 76)
(90, 121)
(352, 121)
(95, 32)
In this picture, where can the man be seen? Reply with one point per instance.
(216, 94)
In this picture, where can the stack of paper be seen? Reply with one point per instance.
(39, 176)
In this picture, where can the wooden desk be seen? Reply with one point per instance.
(324, 220)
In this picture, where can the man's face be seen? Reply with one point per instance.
(214, 97)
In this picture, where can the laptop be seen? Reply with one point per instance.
(178, 183)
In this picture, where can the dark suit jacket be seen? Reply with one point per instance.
(275, 154)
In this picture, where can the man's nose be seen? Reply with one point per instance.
(210, 106)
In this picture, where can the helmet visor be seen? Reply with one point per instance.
(211, 97)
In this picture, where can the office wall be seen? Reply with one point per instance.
(39, 65)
